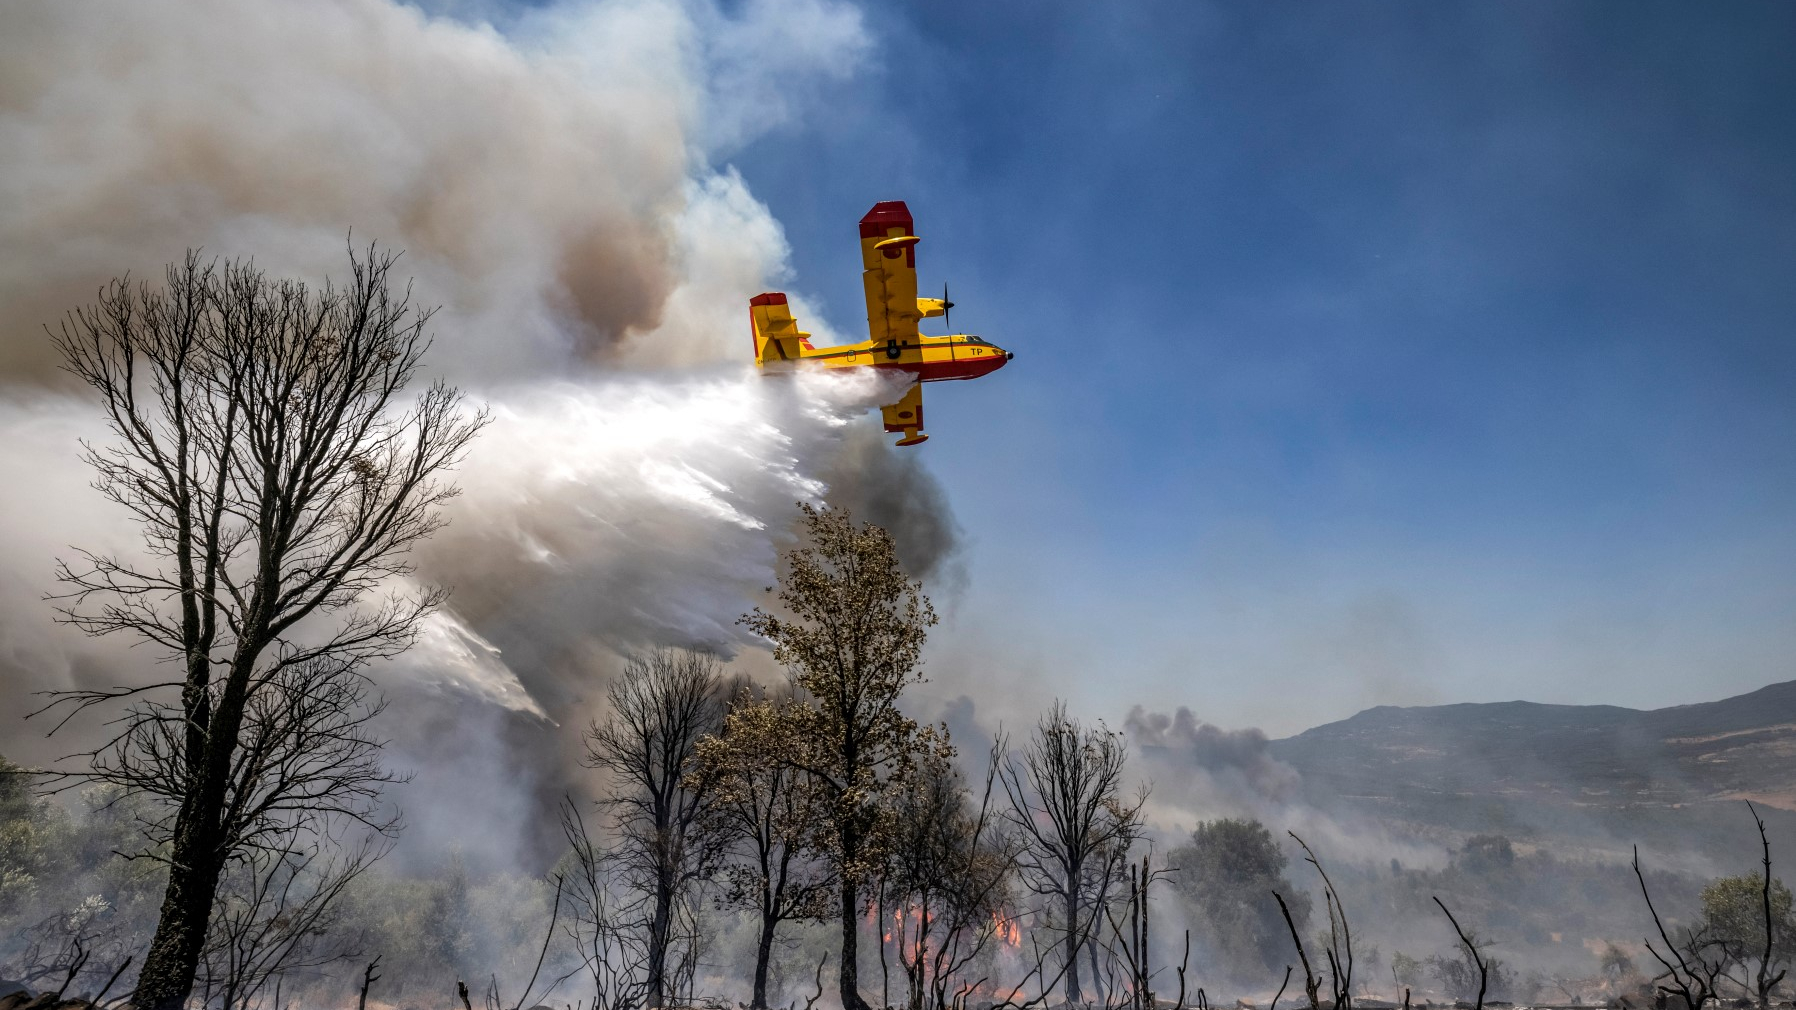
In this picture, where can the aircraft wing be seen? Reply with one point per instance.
(889, 263)
(907, 415)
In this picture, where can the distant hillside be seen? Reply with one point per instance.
(1669, 778)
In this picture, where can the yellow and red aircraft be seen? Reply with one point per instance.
(889, 262)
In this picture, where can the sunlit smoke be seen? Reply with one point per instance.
(554, 180)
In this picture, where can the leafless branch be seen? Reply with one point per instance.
(1340, 934)
(1767, 980)
(1311, 983)
(1472, 949)
(368, 980)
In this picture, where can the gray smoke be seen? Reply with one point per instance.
(1199, 771)
(1236, 761)
(552, 187)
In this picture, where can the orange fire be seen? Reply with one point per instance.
(919, 923)
(1006, 930)
(910, 922)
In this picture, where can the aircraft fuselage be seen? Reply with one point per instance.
(930, 359)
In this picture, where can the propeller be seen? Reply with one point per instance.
(946, 305)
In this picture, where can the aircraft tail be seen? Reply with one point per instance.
(776, 333)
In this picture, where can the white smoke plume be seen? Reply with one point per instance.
(552, 184)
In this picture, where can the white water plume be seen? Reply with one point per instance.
(629, 512)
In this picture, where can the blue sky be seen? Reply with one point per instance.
(1366, 353)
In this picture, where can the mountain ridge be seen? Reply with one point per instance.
(1587, 772)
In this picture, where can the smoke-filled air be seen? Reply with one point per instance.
(470, 540)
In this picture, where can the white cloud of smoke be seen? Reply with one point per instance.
(551, 184)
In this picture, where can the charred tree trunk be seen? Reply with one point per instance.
(199, 851)
(656, 981)
(1097, 978)
(1147, 995)
(763, 956)
(166, 979)
(880, 932)
(848, 975)
(1074, 993)
(1766, 980)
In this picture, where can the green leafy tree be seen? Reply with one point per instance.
(1459, 974)
(1733, 918)
(852, 642)
(1615, 966)
(1226, 875)
(1406, 971)
(1486, 856)
(31, 836)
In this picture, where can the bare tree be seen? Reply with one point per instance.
(261, 444)
(662, 706)
(276, 907)
(853, 642)
(306, 765)
(948, 870)
(771, 816)
(306, 818)
(1074, 824)
(604, 924)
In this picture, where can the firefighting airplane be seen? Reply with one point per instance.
(889, 259)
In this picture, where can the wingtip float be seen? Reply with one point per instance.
(889, 274)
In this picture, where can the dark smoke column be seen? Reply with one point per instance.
(258, 448)
(854, 641)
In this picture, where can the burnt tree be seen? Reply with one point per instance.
(265, 443)
(770, 817)
(662, 706)
(1074, 825)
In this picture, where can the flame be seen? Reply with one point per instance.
(911, 922)
(1006, 930)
